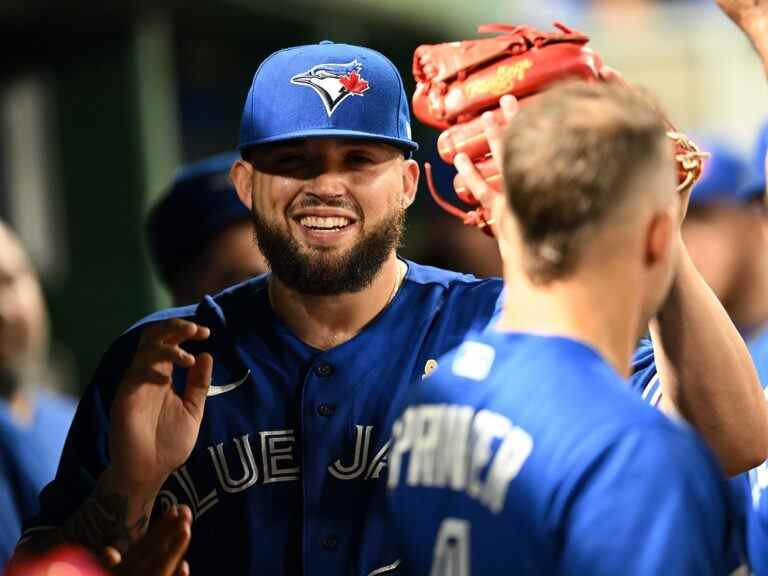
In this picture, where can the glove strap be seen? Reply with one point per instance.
(472, 218)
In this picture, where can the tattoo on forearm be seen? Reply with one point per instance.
(102, 521)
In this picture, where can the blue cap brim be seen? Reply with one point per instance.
(402, 143)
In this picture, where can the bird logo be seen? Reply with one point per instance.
(334, 82)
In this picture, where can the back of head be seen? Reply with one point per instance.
(571, 159)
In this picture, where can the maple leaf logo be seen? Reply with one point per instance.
(353, 83)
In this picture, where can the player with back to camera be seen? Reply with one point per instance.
(267, 408)
(529, 430)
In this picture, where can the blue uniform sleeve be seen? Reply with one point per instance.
(673, 509)
(21, 477)
(753, 508)
(85, 454)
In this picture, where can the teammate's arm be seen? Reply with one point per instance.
(152, 431)
(707, 375)
(752, 17)
(706, 371)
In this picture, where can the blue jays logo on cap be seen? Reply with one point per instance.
(361, 91)
(334, 82)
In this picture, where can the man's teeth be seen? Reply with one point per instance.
(324, 223)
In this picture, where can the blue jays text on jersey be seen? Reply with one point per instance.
(288, 473)
(529, 455)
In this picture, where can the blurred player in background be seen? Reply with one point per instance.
(725, 235)
(34, 419)
(267, 408)
(200, 233)
(530, 429)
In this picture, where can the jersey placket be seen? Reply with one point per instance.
(322, 435)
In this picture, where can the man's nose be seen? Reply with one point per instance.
(330, 183)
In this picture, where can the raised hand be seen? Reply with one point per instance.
(153, 429)
(161, 551)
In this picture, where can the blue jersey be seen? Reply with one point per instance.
(750, 490)
(288, 473)
(526, 454)
(28, 458)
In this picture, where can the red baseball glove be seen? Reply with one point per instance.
(458, 81)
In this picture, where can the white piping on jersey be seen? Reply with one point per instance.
(385, 569)
(362, 441)
(654, 390)
(216, 390)
(199, 507)
(649, 387)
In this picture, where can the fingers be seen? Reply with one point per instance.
(183, 569)
(174, 331)
(493, 131)
(509, 107)
(175, 545)
(111, 556)
(160, 551)
(159, 350)
(195, 332)
(608, 74)
(198, 382)
(473, 179)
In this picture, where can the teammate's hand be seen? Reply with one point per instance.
(161, 551)
(153, 429)
(747, 14)
(493, 130)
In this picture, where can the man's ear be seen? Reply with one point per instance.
(241, 175)
(410, 181)
(659, 236)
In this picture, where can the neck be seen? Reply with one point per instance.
(589, 307)
(327, 321)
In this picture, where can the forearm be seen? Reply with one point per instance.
(114, 515)
(757, 32)
(707, 373)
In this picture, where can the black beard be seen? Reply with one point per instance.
(319, 274)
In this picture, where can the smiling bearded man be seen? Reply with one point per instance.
(323, 268)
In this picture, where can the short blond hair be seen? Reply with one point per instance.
(568, 159)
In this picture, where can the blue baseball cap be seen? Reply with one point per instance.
(200, 203)
(326, 90)
(722, 177)
(755, 187)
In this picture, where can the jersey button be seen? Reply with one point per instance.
(323, 370)
(330, 542)
(326, 410)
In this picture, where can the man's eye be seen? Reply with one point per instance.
(289, 159)
(360, 159)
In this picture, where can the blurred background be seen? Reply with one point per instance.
(101, 102)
